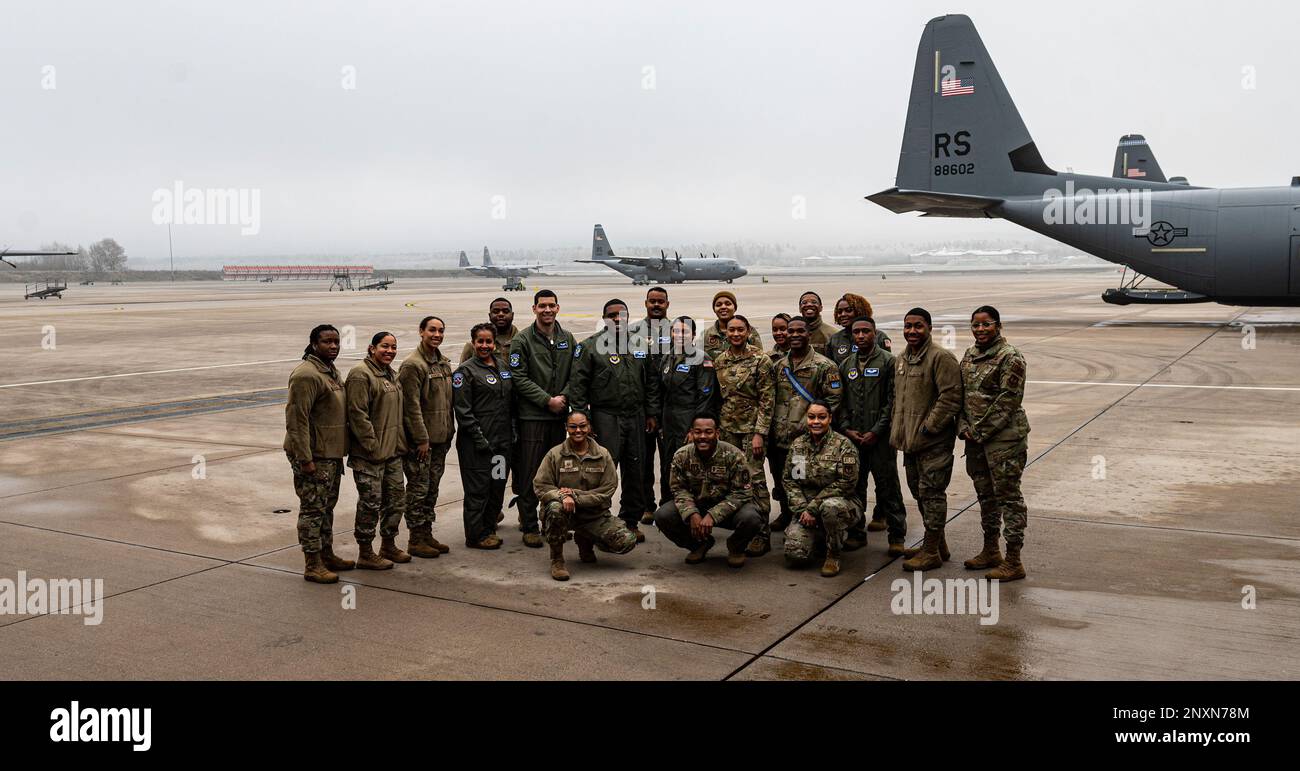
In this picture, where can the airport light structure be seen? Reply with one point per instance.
(294, 272)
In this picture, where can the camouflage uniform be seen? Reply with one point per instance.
(818, 376)
(820, 477)
(426, 417)
(718, 486)
(994, 382)
(748, 386)
(714, 340)
(593, 479)
(378, 443)
(316, 431)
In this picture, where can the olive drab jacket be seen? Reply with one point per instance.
(993, 383)
(818, 337)
(541, 367)
(426, 398)
(375, 412)
(315, 417)
(484, 410)
(841, 344)
(717, 486)
(591, 476)
(748, 385)
(818, 376)
(714, 340)
(927, 393)
(868, 402)
(819, 469)
(690, 386)
(612, 375)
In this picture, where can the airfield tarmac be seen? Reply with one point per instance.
(1162, 488)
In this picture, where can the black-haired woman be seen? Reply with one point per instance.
(378, 443)
(484, 435)
(689, 387)
(316, 441)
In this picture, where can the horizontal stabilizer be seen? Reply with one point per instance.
(935, 204)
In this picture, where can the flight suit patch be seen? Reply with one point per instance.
(457, 380)
(871, 372)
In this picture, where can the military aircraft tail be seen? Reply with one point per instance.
(1134, 160)
(965, 146)
(487, 258)
(601, 251)
(464, 260)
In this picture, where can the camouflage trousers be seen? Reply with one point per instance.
(422, 480)
(996, 468)
(381, 499)
(834, 516)
(317, 494)
(758, 477)
(604, 529)
(928, 475)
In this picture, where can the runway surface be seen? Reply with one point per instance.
(140, 437)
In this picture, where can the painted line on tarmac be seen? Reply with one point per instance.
(1165, 385)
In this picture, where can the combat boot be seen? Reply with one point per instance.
(558, 571)
(944, 554)
(388, 549)
(315, 570)
(368, 560)
(489, 541)
(698, 553)
(736, 559)
(585, 551)
(435, 543)
(333, 561)
(418, 544)
(648, 518)
(758, 546)
(897, 549)
(855, 541)
(990, 557)
(533, 540)
(876, 525)
(928, 557)
(1011, 568)
(831, 567)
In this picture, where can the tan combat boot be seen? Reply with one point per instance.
(585, 551)
(990, 557)
(533, 540)
(1011, 568)
(928, 557)
(333, 561)
(368, 560)
(388, 549)
(736, 559)
(417, 545)
(315, 570)
(944, 554)
(831, 567)
(699, 552)
(897, 549)
(558, 571)
(877, 525)
(758, 546)
(435, 543)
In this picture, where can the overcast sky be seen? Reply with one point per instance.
(544, 104)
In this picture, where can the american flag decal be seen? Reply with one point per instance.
(957, 87)
(1134, 173)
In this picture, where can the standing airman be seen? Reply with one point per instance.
(747, 379)
(714, 339)
(690, 386)
(378, 443)
(425, 378)
(484, 434)
(501, 315)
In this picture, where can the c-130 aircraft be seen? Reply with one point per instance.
(966, 153)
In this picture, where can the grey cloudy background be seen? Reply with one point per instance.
(457, 102)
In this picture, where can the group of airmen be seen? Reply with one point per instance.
(569, 422)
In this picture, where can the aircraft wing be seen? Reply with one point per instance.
(640, 262)
(479, 270)
(5, 253)
(934, 204)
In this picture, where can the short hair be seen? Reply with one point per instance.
(380, 336)
(739, 317)
(424, 322)
(501, 300)
(656, 289)
(705, 415)
(540, 293)
(990, 310)
(474, 330)
(922, 312)
(614, 301)
(810, 292)
(867, 319)
(783, 316)
(798, 320)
